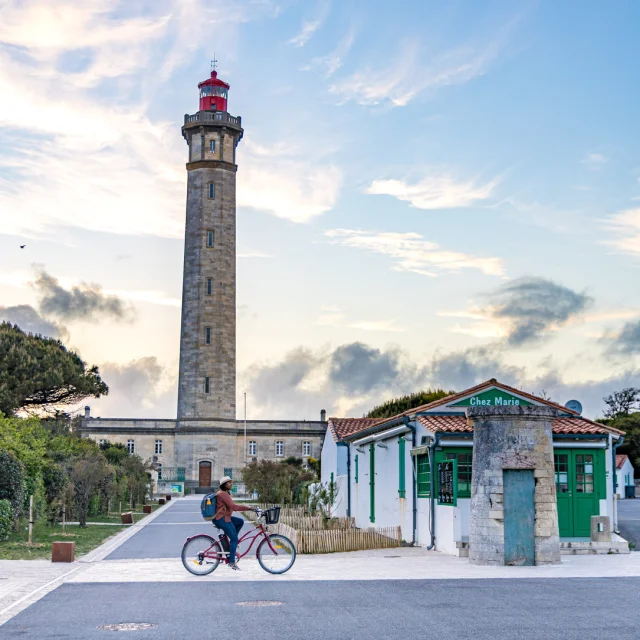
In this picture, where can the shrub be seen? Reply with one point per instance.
(6, 519)
(11, 482)
(276, 482)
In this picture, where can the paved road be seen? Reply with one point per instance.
(629, 520)
(575, 609)
(164, 537)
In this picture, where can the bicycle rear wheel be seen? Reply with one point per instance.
(193, 557)
(279, 559)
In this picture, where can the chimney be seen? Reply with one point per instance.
(87, 412)
(323, 415)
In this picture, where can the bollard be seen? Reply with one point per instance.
(63, 552)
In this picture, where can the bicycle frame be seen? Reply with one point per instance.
(260, 531)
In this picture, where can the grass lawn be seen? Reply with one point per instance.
(115, 517)
(17, 547)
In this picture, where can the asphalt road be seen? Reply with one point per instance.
(164, 536)
(629, 520)
(572, 609)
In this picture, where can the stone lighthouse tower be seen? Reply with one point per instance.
(207, 378)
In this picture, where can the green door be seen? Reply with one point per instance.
(562, 463)
(372, 482)
(585, 501)
(580, 484)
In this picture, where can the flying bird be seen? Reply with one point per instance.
(22, 246)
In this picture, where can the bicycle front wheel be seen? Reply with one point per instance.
(201, 555)
(277, 557)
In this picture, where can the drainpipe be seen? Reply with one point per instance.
(414, 484)
(348, 479)
(614, 448)
(432, 497)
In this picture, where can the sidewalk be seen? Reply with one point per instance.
(23, 582)
(380, 564)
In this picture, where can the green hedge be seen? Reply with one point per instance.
(6, 519)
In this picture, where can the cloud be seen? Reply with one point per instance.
(29, 320)
(333, 317)
(625, 342)
(413, 72)
(92, 154)
(289, 185)
(463, 369)
(595, 160)
(83, 302)
(310, 26)
(333, 60)
(139, 388)
(344, 380)
(626, 229)
(358, 368)
(435, 191)
(413, 254)
(532, 307)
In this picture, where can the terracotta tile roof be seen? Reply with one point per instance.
(480, 387)
(342, 427)
(621, 458)
(458, 424)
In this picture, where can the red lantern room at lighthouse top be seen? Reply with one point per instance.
(213, 94)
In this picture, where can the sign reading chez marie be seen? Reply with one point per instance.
(493, 398)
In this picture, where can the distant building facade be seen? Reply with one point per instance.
(206, 441)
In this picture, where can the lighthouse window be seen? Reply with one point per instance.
(210, 238)
(209, 286)
(212, 189)
(212, 149)
(207, 385)
(207, 335)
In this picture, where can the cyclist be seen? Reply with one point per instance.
(225, 521)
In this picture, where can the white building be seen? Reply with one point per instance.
(388, 466)
(624, 471)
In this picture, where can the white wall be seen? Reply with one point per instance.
(627, 470)
(328, 458)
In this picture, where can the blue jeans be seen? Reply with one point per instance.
(232, 529)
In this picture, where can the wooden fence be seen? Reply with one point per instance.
(337, 540)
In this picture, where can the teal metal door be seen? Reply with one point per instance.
(519, 517)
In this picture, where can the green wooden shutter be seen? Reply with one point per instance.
(402, 493)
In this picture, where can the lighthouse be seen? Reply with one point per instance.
(207, 375)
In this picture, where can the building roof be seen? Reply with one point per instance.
(621, 458)
(342, 427)
(572, 422)
(459, 424)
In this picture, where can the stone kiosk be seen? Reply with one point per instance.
(513, 515)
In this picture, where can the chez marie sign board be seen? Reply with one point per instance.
(493, 398)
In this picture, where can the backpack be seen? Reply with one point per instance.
(209, 506)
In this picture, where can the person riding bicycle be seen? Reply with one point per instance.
(225, 521)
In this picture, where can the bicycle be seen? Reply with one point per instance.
(201, 554)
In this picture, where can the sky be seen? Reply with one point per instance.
(432, 195)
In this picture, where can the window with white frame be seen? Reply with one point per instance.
(253, 447)
(212, 146)
(306, 448)
(131, 446)
(158, 448)
(279, 448)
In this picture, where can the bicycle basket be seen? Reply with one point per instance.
(272, 515)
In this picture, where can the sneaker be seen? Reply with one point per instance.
(234, 566)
